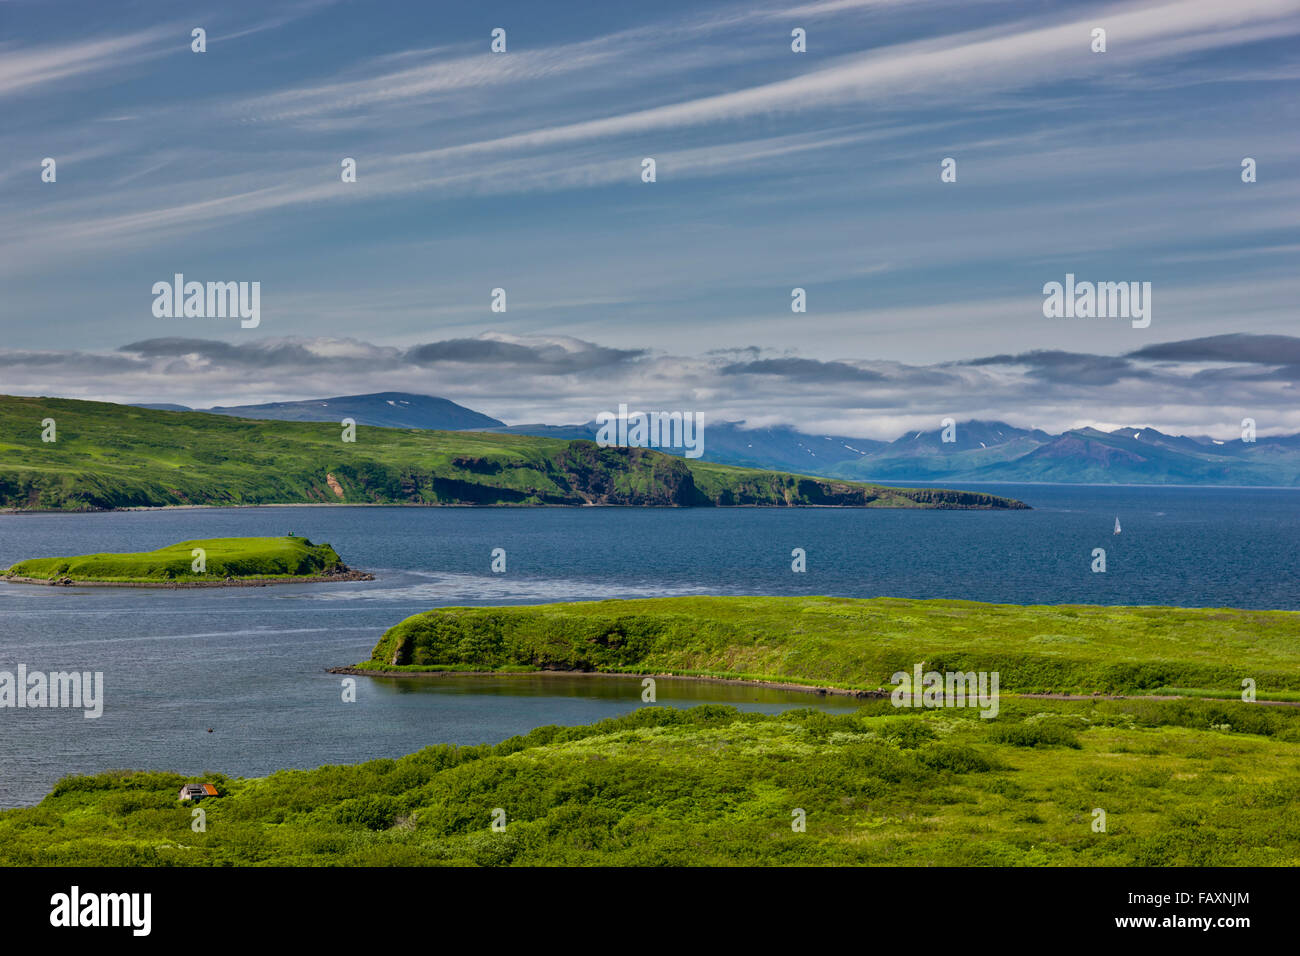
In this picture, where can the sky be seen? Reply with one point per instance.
(774, 170)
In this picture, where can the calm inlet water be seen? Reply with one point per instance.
(250, 662)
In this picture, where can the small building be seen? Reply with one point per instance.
(197, 791)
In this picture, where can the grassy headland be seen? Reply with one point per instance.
(1180, 783)
(118, 456)
(225, 560)
(861, 643)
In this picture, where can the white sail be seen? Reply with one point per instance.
(1117, 524)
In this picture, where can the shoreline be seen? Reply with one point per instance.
(1019, 506)
(922, 485)
(820, 691)
(739, 681)
(177, 585)
(289, 504)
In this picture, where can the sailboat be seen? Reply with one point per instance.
(1117, 524)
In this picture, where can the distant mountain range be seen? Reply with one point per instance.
(982, 451)
(382, 409)
(996, 451)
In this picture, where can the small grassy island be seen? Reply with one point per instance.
(205, 562)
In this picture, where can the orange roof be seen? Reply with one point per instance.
(210, 790)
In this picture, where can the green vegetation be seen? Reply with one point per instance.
(117, 456)
(224, 558)
(1181, 783)
(857, 643)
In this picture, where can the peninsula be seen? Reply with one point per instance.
(859, 644)
(68, 455)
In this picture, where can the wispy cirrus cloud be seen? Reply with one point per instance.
(24, 70)
(776, 170)
(966, 65)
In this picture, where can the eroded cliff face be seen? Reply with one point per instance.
(582, 473)
(626, 476)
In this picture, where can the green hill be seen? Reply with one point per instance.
(223, 558)
(861, 643)
(116, 456)
(1181, 783)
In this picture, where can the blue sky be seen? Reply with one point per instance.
(775, 169)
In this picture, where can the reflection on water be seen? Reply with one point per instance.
(669, 691)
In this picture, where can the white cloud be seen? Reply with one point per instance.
(561, 379)
(21, 70)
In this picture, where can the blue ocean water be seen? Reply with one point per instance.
(250, 663)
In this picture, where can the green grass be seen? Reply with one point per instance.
(288, 557)
(1186, 783)
(861, 643)
(115, 456)
(1289, 696)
